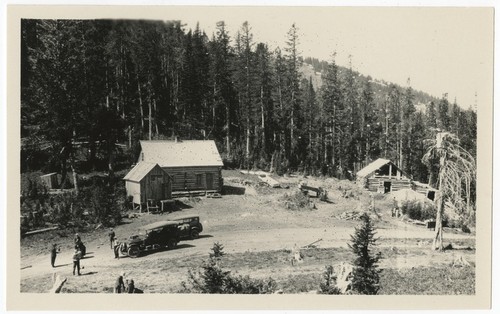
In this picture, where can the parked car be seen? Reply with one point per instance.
(155, 236)
(189, 226)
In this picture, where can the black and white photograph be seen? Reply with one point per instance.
(289, 151)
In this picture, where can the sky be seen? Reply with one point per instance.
(441, 50)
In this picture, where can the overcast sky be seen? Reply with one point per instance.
(442, 50)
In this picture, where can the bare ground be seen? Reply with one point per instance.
(257, 233)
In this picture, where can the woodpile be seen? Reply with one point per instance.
(263, 177)
(350, 215)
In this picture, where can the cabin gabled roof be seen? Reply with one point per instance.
(181, 153)
(374, 166)
(140, 171)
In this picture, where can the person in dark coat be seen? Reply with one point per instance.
(119, 284)
(79, 245)
(53, 254)
(111, 235)
(76, 261)
(131, 287)
(77, 238)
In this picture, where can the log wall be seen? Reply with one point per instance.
(373, 184)
(195, 178)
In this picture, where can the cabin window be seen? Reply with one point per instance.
(199, 179)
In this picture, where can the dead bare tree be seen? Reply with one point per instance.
(457, 170)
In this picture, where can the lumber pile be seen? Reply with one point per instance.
(264, 177)
(350, 215)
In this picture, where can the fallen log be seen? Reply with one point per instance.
(58, 283)
(41, 230)
(311, 245)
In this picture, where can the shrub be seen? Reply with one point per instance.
(65, 209)
(212, 278)
(366, 275)
(103, 206)
(33, 204)
(329, 284)
(297, 201)
(418, 210)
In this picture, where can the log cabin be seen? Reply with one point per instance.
(195, 166)
(382, 176)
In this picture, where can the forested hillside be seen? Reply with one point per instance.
(99, 83)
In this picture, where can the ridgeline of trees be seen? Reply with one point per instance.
(98, 83)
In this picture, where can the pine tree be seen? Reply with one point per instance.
(223, 108)
(350, 141)
(292, 96)
(244, 78)
(369, 127)
(310, 127)
(366, 275)
(333, 115)
(264, 114)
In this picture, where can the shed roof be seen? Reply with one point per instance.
(140, 171)
(374, 166)
(181, 153)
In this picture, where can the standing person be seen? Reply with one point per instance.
(126, 286)
(116, 247)
(53, 254)
(111, 235)
(119, 285)
(77, 239)
(76, 261)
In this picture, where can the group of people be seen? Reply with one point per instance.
(121, 286)
(126, 286)
(79, 252)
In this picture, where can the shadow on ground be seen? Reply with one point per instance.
(233, 190)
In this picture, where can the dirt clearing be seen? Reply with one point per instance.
(258, 234)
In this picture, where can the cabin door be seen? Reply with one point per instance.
(210, 181)
(157, 188)
(387, 186)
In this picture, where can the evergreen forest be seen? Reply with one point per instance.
(103, 85)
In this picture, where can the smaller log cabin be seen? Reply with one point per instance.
(195, 166)
(148, 181)
(382, 176)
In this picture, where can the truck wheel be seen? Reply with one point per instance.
(194, 234)
(171, 243)
(134, 251)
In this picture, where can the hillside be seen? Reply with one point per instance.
(312, 68)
